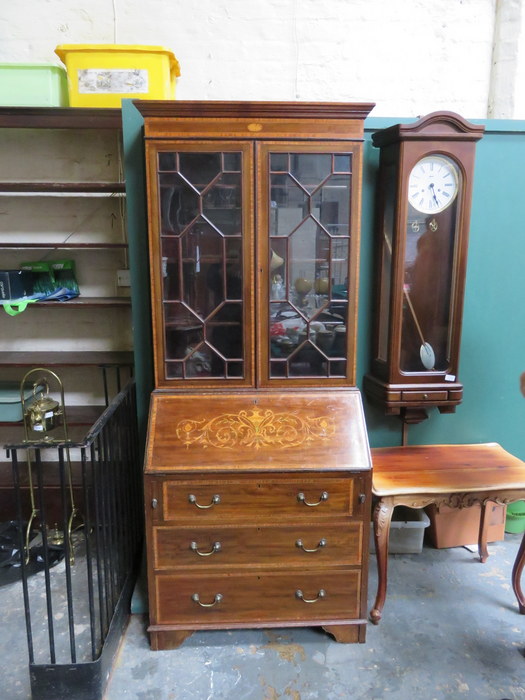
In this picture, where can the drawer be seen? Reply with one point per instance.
(424, 396)
(262, 498)
(251, 598)
(330, 544)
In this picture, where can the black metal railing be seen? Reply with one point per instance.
(81, 549)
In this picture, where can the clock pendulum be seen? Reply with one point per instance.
(426, 351)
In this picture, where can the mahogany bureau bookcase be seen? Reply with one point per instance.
(258, 470)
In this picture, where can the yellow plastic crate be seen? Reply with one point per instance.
(100, 75)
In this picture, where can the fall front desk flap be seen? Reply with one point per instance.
(289, 430)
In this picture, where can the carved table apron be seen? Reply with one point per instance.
(457, 476)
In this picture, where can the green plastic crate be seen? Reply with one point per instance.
(33, 85)
(11, 401)
(515, 520)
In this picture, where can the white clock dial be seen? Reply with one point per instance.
(433, 184)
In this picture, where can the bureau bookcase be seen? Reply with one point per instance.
(257, 470)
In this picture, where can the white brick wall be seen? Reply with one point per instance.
(408, 56)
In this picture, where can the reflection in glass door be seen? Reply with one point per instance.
(429, 292)
(309, 233)
(201, 234)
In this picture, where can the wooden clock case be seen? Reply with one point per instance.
(439, 299)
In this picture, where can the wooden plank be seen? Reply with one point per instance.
(60, 118)
(63, 246)
(76, 415)
(65, 359)
(63, 187)
(82, 301)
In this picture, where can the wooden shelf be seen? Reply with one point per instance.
(81, 301)
(62, 188)
(62, 246)
(60, 118)
(66, 359)
(50, 470)
(37, 192)
(76, 416)
(12, 435)
(83, 415)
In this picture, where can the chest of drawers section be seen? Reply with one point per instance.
(257, 512)
(253, 550)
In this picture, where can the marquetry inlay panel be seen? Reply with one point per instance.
(255, 429)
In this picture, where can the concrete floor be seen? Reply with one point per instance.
(450, 630)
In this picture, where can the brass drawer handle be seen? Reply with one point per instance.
(322, 543)
(302, 498)
(215, 499)
(299, 594)
(195, 548)
(196, 599)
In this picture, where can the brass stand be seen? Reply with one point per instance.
(42, 415)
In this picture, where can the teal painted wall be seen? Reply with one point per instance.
(493, 341)
(137, 228)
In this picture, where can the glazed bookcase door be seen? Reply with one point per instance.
(201, 254)
(308, 215)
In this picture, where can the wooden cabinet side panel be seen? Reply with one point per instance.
(151, 501)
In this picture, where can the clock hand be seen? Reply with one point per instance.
(431, 186)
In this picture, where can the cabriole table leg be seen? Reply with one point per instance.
(382, 519)
(516, 576)
(482, 537)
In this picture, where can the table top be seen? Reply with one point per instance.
(422, 469)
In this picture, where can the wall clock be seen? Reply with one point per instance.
(423, 214)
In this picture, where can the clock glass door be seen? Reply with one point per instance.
(307, 254)
(430, 262)
(201, 262)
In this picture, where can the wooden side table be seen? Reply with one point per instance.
(458, 476)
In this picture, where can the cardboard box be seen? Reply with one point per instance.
(457, 527)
